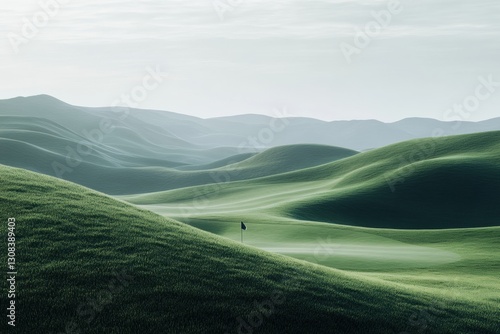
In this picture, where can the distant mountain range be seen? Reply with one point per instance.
(107, 148)
(251, 132)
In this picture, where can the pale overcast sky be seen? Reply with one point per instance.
(257, 55)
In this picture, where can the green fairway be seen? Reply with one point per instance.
(350, 249)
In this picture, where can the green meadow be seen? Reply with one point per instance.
(143, 232)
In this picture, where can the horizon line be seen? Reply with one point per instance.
(247, 114)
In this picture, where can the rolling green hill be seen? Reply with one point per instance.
(118, 169)
(448, 182)
(129, 151)
(278, 160)
(116, 134)
(172, 278)
(187, 140)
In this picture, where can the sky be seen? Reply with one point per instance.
(326, 59)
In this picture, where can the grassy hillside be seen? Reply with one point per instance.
(119, 168)
(72, 241)
(283, 159)
(453, 184)
(219, 163)
(128, 151)
(448, 182)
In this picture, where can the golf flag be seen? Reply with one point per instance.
(243, 226)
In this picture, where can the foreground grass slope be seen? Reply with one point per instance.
(72, 241)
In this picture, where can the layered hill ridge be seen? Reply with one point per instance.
(165, 275)
(294, 157)
(116, 173)
(447, 182)
(149, 151)
(172, 129)
(128, 151)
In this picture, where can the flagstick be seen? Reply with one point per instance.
(241, 234)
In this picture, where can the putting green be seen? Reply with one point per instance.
(331, 246)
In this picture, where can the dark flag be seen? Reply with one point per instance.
(243, 226)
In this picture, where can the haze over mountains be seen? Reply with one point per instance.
(159, 150)
(176, 130)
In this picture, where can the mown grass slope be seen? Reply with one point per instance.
(448, 182)
(72, 241)
(282, 159)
